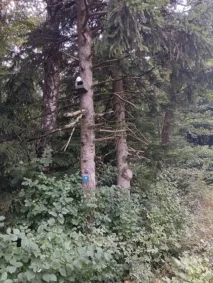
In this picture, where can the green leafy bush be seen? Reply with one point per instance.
(106, 175)
(56, 255)
(190, 269)
(68, 238)
(56, 201)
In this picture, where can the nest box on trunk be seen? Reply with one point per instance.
(80, 85)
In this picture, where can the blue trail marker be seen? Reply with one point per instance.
(85, 179)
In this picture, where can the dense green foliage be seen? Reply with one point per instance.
(51, 231)
(67, 238)
(191, 268)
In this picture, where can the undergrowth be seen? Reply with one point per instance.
(67, 238)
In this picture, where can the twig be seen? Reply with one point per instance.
(71, 56)
(75, 113)
(111, 131)
(103, 113)
(68, 142)
(124, 100)
(125, 77)
(137, 138)
(98, 13)
(140, 133)
(66, 127)
(135, 150)
(110, 61)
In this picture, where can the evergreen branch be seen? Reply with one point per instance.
(125, 77)
(66, 127)
(110, 61)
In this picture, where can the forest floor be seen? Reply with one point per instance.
(203, 222)
(200, 231)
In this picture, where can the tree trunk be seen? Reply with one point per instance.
(169, 115)
(165, 134)
(124, 173)
(50, 92)
(87, 103)
(51, 66)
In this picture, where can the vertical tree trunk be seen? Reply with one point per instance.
(87, 103)
(169, 115)
(51, 65)
(50, 92)
(124, 173)
(165, 134)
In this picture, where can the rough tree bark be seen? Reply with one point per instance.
(51, 65)
(165, 134)
(169, 114)
(124, 173)
(87, 103)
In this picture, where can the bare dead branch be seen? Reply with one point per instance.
(126, 101)
(138, 153)
(71, 56)
(137, 138)
(66, 127)
(125, 77)
(70, 137)
(130, 149)
(103, 113)
(75, 113)
(98, 13)
(111, 131)
(133, 125)
(110, 61)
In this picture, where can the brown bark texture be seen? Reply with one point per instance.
(51, 66)
(169, 115)
(124, 173)
(165, 134)
(87, 103)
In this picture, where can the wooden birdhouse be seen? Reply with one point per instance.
(80, 85)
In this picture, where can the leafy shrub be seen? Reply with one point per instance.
(68, 238)
(57, 201)
(190, 268)
(106, 175)
(56, 255)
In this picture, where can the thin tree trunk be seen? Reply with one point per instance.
(165, 134)
(169, 115)
(124, 173)
(87, 103)
(51, 66)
